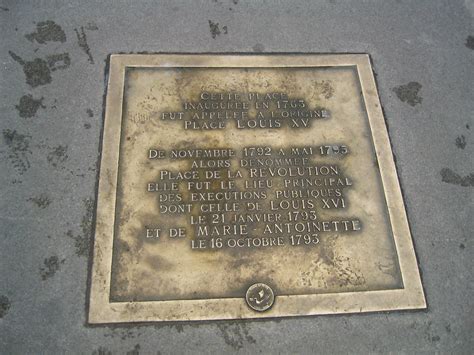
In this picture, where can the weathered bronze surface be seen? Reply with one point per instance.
(247, 187)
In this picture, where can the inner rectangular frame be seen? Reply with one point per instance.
(101, 310)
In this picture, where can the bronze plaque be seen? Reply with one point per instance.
(247, 186)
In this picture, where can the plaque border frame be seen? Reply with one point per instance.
(102, 311)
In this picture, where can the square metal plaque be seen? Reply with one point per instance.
(247, 186)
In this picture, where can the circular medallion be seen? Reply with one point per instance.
(260, 297)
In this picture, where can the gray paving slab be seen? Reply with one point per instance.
(53, 57)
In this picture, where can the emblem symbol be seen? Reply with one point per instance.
(260, 297)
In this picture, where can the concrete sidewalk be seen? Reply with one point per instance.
(53, 56)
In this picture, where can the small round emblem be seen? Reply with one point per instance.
(260, 297)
